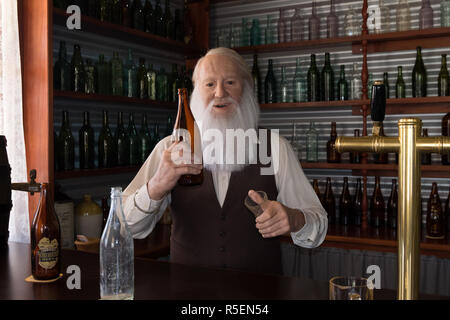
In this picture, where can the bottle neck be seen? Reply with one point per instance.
(105, 119)
(86, 118)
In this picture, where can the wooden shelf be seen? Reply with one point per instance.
(119, 32)
(70, 95)
(83, 173)
(315, 104)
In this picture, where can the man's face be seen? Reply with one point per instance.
(219, 80)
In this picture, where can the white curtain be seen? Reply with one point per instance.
(11, 118)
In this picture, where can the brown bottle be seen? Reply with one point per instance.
(425, 158)
(381, 158)
(45, 239)
(328, 202)
(317, 190)
(184, 124)
(345, 204)
(332, 155)
(355, 156)
(377, 206)
(435, 215)
(392, 206)
(105, 211)
(446, 133)
(357, 204)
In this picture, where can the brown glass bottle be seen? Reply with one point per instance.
(392, 206)
(355, 157)
(333, 156)
(425, 157)
(435, 215)
(446, 133)
(357, 204)
(377, 206)
(317, 190)
(345, 204)
(381, 158)
(185, 122)
(45, 239)
(329, 203)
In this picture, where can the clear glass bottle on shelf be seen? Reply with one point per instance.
(297, 25)
(312, 143)
(425, 15)
(299, 84)
(314, 24)
(269, 31)
(445, 15)
(355, 84)
(332, 22)
(282, 25)
(254, 33)
(351, 27)
(403, 16)
(295, 143)
(385, 21)
(283, 86)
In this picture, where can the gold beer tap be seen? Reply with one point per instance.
(30, 187)
(409, 145)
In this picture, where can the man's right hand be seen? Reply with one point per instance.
(177, 160)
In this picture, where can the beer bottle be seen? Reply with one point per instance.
(313, 81)
(443, 78)
(425, 157)
(392, 206)
(66, 145)
(382, 157)
(256, 79)
(333, 156)
(121, 142)
(45, 239)
(419, 76)
(400, 88)
(329, 203)
(345, 204)
(327, 80)
(355, 156)
(357, 204)
(105, 144)
(342, 85)
(435, 215)
(270, 85)
(185, 130)
(145, 140)
(133, 139)
(446, 133)
(86, 144)
(377, 205)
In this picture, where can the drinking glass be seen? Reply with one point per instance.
(350, 288)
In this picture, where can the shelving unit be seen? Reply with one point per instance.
(82, 173)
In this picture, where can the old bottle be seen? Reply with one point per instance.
(169, 22)
(66, 144)
(445, 125)
(313, 81)
(332, 22)
(400, 88)
(403, 17)
(357, 204)
(185, 130)
(257, 90)
(435, 215)
(133, 141)
(159, 19)
(384, 17)
(377, 207)
(314, 24)
(86, 144)
(161, 85)
(312, 143)
(105, 10)
(443, 78)
(317, 190)
(299, 84)
(103, 76)
(425, 15)
(386, 83)
(255, 36)
(355, 84)
(121, 141)
(351, 25)
(61, 71)
(355, 156)
(77, 70)
(342, 85)
(282, 26)
(381, 157)
(295, 142)
(90, 83)
(142, 79)
(425, 156)
(116, 74)
(270, 85)
(297, 29)
(144, 140)
(116, 254)
(445, 13)
(138, 21)
(151, 83)
(333, 156)
(283, 86)
(345, 204)
(392, 206)
(130, 83)
(329, 203)
(105, 145)
(149, 17)
(419, 76)
(127, 14)
(175, 83)
(327, 80)
(45, 239)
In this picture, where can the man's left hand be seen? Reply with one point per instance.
(276, 219)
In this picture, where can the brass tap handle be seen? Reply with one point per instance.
(30, 187)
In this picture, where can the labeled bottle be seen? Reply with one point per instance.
(149, 17)
(345, 205)
(61, 71)
(333, 156)
(270, 85)
(138, 20)
(77, 70)
(142, 80)
(86, 144)
(342, 85)
(117, 74)
(435, 215)
(151, 83)
(312, 144)
(445, 125)
(299, 84)
(256, 79)
(403, 16)
(327, 80)
(283, 86)
(332, 22)
(127, 13)
(329, 203)
(313, 81)
(159, 19)
(103, 76)
(377, 206)
(355, 156)
(392, 206)
(145, 140)
(445, 13)
(425, 15)
(122, 144)
(314, 24)
(45, 239)
(297, 23)
(355, 84)
(386, 83)
(168, 21)
(419, 76)
(66, 145)
(116, 254)
(357, 204)
(425, 156)
(381, 157)
(443, 78)
(105, 145)
(133, 140)
(400, 88)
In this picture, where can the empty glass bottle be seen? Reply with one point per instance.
(255, 33)
(425, 15)
(105, 145)
(282, 25)
(151, 83)
(403, 16)
(116, 254)
(355, 84)
(89, 85)
(297, 25)
(377, 207)
(149, 18)
(435, 215)
(345, 204)
(142, 79)
(130, 84)
(161, 85)
(299, 84)
(66, 145)
(77, 70)
(445, 15)
(332, 22)
(117, 74)
(144, 140)
(295, 143)
(342, 85)
(400, 88)
(314, 24)
(283, 86)
(270, 85)
(122, 144)
(312, 144)
(103, 76)
(269, 31)
(327, 80)
(256, 79)
(313, 81)
(386, 83)
(419, 76)
(443, 78)
(392, 206)
(351, 27)
(133, 140)
(385, 23)
(329, 203)
(86, 144)
(61, 70)
(333, 156)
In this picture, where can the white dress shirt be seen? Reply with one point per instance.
(294, 191)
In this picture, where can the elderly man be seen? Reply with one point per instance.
(211, 225)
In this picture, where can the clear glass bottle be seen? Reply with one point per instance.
(116, 254)
(297, 23)
(332, 22)
(445, 15)
(351, 27)
(403, 16)
(283, 86)
(312, 143)
(299, 84)
(355, 84)
(130, 81)
(385, 14)
(314, 24)
(425, 15)
(282, 25)
(269, 32)
(295, 143)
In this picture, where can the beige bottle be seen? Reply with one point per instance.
(88, 218)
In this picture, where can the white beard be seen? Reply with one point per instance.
(244, 115)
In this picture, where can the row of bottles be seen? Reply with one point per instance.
(380, 213)
(136, 14)
(126, 147)
(117, 78)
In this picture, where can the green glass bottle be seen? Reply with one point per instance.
(61, 71)
(121, 141)
(400, 88)
(283, 86)
(443, 78)
(342, 85)
(161, 85)
(270, 85)
(86, 144)
(66, 145)
(327, 80)
(103, 76)
(117, 74)
(313, 81)
(169, 22)
(142, 79)
(299, 85)
(90, 83)
(419, 76)
(151, 83)
(133, 140)
(159, 20)
(144, 140)
(386, 83)
(175, 83)
(256, 79)
(149, 17)
(138, 20)
(106, 10)
(106, 146)
(130, 83)
(116, 12)
(77, 70)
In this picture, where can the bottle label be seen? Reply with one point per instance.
(48, 253)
